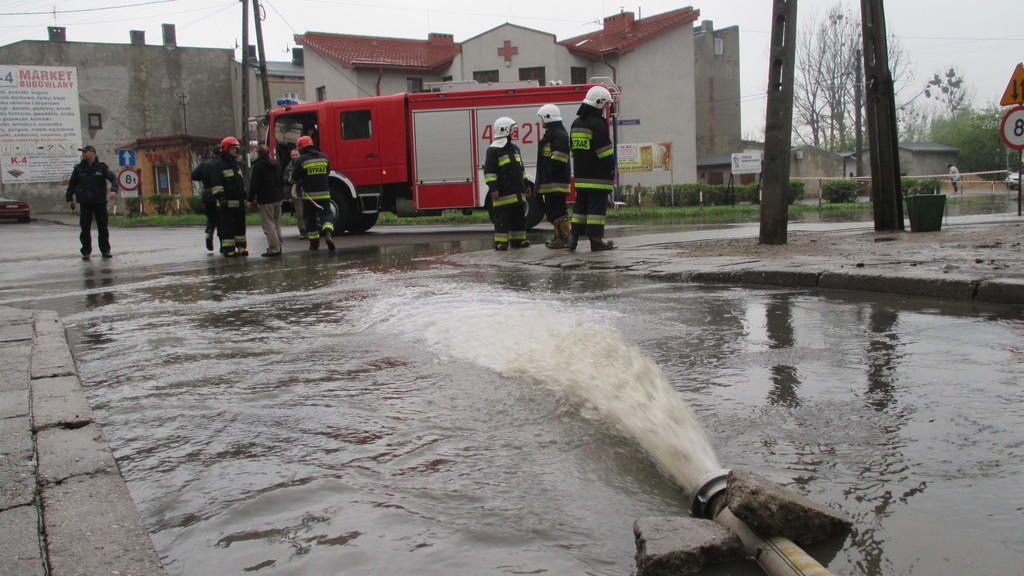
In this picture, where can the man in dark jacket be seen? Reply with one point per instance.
(593, 156)
(265, 190)
(553, 174)
(203, 173)
(229, 191)
(88, 184)
(503, 173)
(312, 175)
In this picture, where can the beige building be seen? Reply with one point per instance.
(653, 60)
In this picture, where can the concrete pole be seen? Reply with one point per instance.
(258, 19)
(778, 136)
(883, 140)
(245, 83)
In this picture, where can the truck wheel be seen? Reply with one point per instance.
(364, 222)
(534, 210)
(344, 204)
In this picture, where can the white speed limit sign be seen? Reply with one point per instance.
(128, 182)
(1012, 128)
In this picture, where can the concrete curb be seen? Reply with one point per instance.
(89, 522)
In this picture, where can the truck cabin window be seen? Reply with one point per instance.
(356, 125)
(288, 129)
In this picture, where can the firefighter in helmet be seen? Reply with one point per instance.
(228, 190)
(593, 156)
(311, 174)
(553, 173)
(203, 173)
(504, 175)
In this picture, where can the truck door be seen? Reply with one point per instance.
(359, 144)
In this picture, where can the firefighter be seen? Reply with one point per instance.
(593, 156)
(311, 175)
(202, 173)
(504, 174)
(229, 191)
(553, 173)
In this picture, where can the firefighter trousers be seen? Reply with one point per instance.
(509, 226)
(588, 216)
(319, 217)
(231, 226)
(554, 206)
(210, 210)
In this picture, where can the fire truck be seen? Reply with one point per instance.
(418, 154)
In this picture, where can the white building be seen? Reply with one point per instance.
(652, 59)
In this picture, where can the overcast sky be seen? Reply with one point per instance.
(984, 39)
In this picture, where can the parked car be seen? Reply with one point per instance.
(11, 208)
(1013, 180)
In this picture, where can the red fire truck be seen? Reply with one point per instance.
(416, 154)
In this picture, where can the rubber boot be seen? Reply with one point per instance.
(329, 240)
(556, 241)
(598, 244)
(574, 240)
(314, 244)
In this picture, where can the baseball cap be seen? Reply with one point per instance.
(87, 148)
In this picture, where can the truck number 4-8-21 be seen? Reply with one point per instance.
(530, 132)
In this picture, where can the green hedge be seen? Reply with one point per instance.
(913, 186)
(690, 194)
(195, 205)
(163, 204)
(839, 191)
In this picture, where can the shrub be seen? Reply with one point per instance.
(913, 186)
(195, 205)
(839, 191)
(132, 206)
(797, 191)
(162, 203)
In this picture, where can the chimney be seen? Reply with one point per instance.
(57, 33)
(138, 37)
(436, 39)
(169, 36)
(297, 57)
(621, 23)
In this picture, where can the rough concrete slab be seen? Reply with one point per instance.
(17, 463)
(20, 550)
(14, 365)
(1001, 290)
(51, 357)
(59, 402)
(953, 287)
(13, 403)
(66, 453)
(772, 510)
(16, 332)
(92, 528)
(676, 545)
(14, 315)
(794, 277)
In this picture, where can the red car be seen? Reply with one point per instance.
(11, 208)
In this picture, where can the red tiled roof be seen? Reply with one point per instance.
(378, 52)
(622, 33)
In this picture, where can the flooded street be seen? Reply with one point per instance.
(384, 411)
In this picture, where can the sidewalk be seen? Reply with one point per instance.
(979, 258)
(64, 508)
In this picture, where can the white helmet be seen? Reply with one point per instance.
(598, 97)
(549, 113)
(503, 127)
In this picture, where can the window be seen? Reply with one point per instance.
(290, 96)
(321, 93)
(485, 76)
(166, 178)
(413, 85)
(532, 74)
(579, 74)
(356, 125)
(95, 121)
(719, 47)
(447, 78)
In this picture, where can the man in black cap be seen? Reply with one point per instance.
(88, 186)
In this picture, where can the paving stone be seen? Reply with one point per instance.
(13, 403)
(66, 453)
(14, 315)
(674, 545)
(773, 510)
(1001, 290)
(16, 332)
(51, 357)
(93, 528)
(953, 287)
(17, 463)
(20, 551)
(14, 365)
(59, 402)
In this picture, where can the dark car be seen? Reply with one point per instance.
(11, 208)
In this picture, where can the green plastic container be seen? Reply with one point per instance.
(925, 211)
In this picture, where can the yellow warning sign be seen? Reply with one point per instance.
(1014, 94)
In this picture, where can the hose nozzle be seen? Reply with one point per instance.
(707, 493)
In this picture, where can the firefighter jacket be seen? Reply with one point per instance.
(226, 181)
(88, 183)
(503, 171)
(204, 173)
(312, 174)
(593, 154)
(553, 160)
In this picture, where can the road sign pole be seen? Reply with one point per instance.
(1020, 172)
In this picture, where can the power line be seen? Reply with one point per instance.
(52, 12)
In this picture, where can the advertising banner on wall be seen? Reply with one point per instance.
(648, 157)
(40, 126)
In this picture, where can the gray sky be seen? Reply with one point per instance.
(983, 39)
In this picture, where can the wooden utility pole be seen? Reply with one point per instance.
(883, 140)
(257, 14)
(778, 137)
(858, 117)
(245, 81)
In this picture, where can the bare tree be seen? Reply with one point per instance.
(949, 90)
